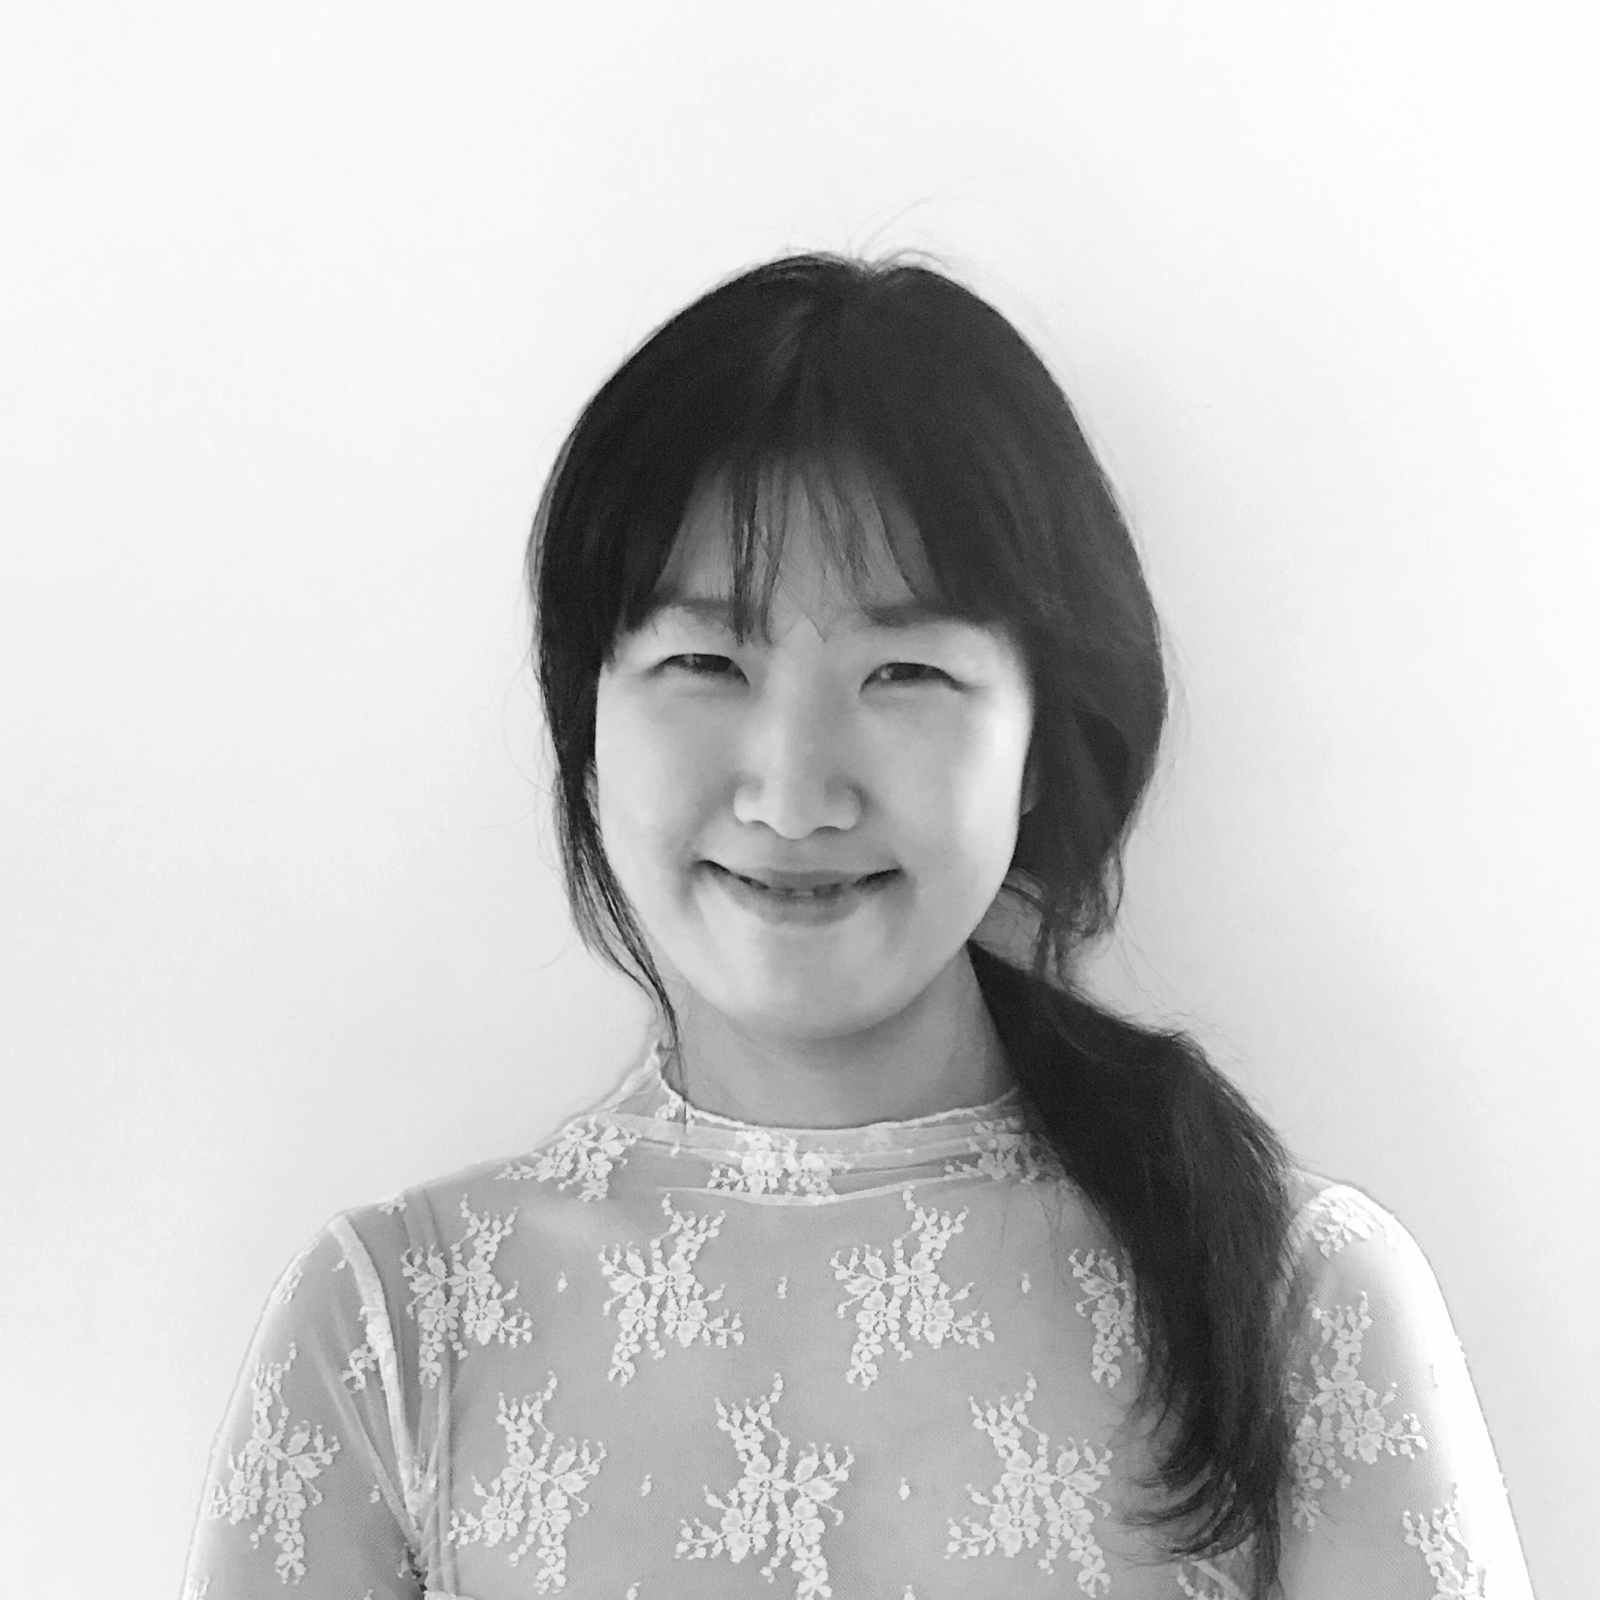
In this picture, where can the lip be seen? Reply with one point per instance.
(796, 911)
(774, 878)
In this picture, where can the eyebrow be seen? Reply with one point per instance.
(889, 614)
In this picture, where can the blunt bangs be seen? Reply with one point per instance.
(884, 385)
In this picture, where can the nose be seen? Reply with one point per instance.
(797, 771)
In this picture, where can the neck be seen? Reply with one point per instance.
(941, 1053)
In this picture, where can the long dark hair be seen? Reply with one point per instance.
(814, 361)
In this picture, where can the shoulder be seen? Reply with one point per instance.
(1342, 1238)
(574, 1161)
(1393, 1464)
(1365, 1277)
(1331, 1216)
(469, 1212)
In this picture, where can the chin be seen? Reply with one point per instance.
(808, 1029)
(810, 1011)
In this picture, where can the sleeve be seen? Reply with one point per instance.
(1396, 1494)
(305, 1490)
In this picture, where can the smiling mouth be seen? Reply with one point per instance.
(829, 891)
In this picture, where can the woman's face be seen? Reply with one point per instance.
(878, 750)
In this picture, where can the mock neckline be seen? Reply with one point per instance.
(645, 1098)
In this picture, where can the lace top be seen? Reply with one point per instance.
(668, 1353)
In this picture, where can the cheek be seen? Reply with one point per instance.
(984, 783)
(654, 795)
(962, 789)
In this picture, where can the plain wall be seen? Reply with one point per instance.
(298, 300)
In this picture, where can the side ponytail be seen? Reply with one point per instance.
(1193, 1186)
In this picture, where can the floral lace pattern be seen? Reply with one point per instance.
(1006, 1154)
(283, 1290)
(1107, 1288)
(1438, 1537)
(854, 1318)
(1343, 1414)
(1034, 1493)
(770, 1503)
(1339, 1217)
(662, 1297)
(584, 1153)
(906, 1292)
(368, 1356)
(770, 1163)
(536, 1494)
(461, 1296)
(363, 1360)
(275, 1470)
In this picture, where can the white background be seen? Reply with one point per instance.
(298, 301)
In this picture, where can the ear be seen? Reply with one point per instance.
(1030, 785)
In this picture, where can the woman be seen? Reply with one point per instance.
(897, 1269)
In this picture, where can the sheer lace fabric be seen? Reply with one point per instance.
(666, 1353)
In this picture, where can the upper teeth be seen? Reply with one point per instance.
(771, 888)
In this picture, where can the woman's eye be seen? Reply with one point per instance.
(700, 666)
(703, 666)
(913, 672)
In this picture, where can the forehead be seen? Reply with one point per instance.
(823, 534)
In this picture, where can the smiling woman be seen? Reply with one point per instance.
(856, 769)
(843, 642)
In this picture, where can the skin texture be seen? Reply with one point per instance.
(808, 750)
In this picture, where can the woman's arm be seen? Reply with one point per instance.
(1397, 1491)
(305, 1491)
